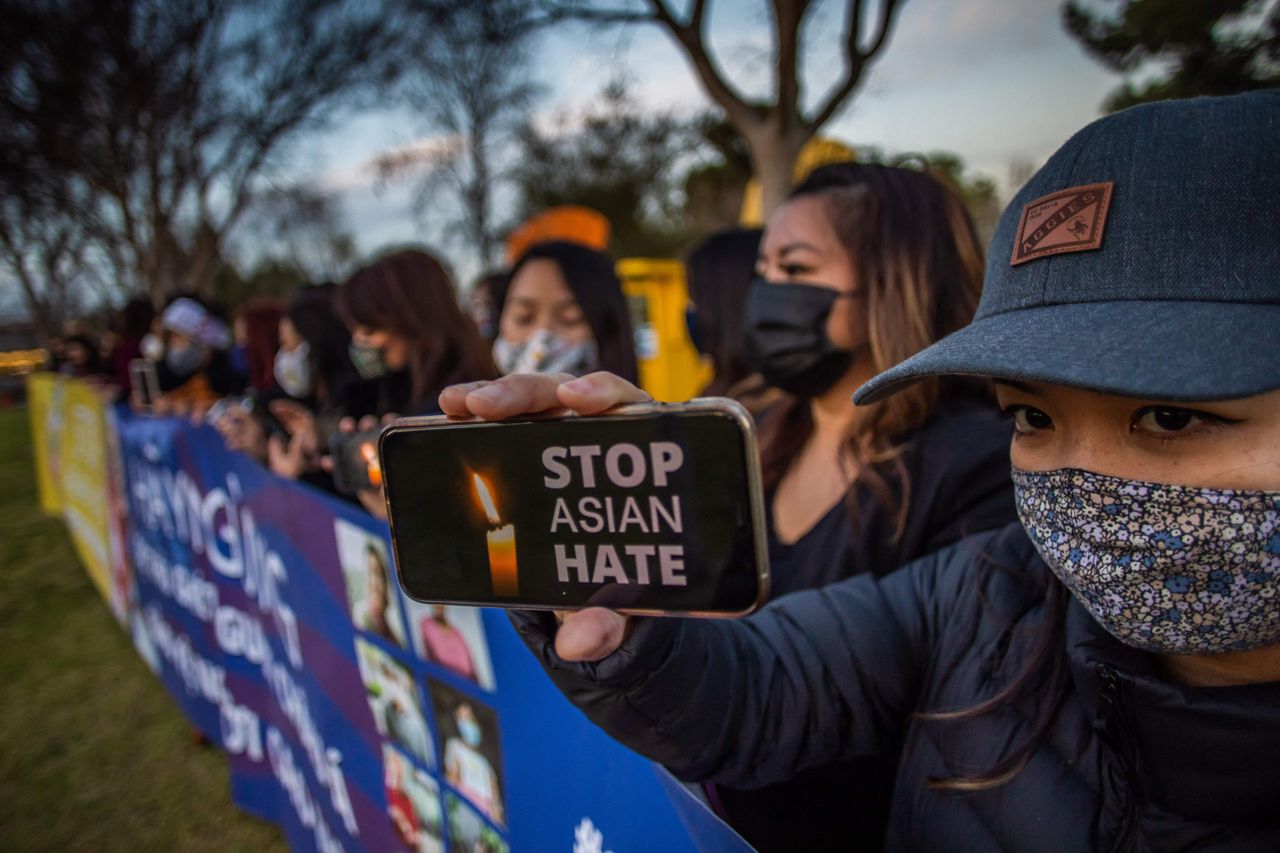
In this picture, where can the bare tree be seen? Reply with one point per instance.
(470, 81)
(170, 112)
(306, 230)
(777, 127)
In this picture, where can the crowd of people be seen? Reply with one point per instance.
(1083, 655)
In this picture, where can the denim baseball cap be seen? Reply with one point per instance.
(1143, 259)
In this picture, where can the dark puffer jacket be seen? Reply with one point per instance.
(1130, 760)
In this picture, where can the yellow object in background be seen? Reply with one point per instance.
(818, 151)
(671, 369)
(70, 427)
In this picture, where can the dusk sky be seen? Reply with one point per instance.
(995, 81)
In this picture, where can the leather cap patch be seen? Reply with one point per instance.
(1068, 221)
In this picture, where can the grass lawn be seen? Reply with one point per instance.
(93, 753)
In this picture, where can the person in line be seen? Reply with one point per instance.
(1104, 674)
(80, 358)
(410, 339)
(862, 267)
(255, 331)
(562, 309)
(195, 370)
(719, 270)
(133, 323)
(311, 369)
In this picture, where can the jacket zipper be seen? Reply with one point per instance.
(1114, 697)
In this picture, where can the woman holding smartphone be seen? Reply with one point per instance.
(1105, 674)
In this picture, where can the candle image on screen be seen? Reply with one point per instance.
(501, 539)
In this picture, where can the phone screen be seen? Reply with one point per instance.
(654, 512)
(355, 461)
(143, 379)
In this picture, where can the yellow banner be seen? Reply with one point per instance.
(70, 430)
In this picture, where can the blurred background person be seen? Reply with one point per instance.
(133, 323)
(409, 337)
(80, 358)
(255, 331)
(481, 302)
(562, 310)
(311, 369)
(719, 271)
(196, 368)
(862, 267)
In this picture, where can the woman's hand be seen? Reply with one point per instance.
(373, 499)
(299, 422)
(594, 633)
(241, 431)
(523, 393)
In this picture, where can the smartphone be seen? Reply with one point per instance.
(144, 382)
(653, 508)
(270, 423)
(356, 465)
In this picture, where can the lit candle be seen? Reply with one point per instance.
(501, 540)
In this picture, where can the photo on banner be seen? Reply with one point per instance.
(393, 701)
(413, 803)
(470, 743)
(370, 584)
(468, 831)
(452, 637)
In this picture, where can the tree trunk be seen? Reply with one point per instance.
(773, 156)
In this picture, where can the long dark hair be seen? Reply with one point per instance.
(719, 271)
(409, 293)
(261, 318)
(311, 311)
(135, 319)
(918, 266)
(595, 286)
(1043, 680)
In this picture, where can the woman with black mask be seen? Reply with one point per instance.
(862, 267)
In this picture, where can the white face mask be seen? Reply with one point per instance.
(293, 371)
(152, 347)
(543, 352)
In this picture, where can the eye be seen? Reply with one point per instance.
(796, 270)
(1028, 420)
(1173, 421)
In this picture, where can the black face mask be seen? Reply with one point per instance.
(786, 337)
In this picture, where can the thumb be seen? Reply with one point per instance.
(591, 634)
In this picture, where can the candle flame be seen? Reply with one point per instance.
(486, 500)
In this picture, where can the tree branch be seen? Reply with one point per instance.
(690, 37)
(787, 16)
(856, 60)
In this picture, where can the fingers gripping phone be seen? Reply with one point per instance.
(653, 508)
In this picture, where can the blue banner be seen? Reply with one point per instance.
(353, 717)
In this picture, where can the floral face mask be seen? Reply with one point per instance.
(1168, 569)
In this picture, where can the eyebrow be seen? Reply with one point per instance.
(1018, 386)
(798, 245)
